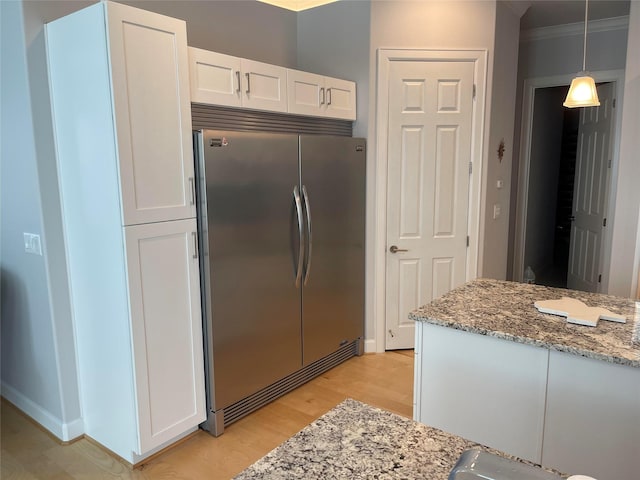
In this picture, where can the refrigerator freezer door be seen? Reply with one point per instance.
(333, 177)
(250, 247)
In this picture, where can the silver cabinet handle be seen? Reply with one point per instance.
(328, 97)
(248, 83)
(195, 244)
(193, 191)
(322, 96)
(296, 198)
(309, 232)
(394, 249)
(238, 78)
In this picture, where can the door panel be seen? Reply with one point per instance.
(215, 78)
(264, 86)
(164, 289)
(253, 305)
(149, 62)
(429, 147)
(333, 174)
(590, 192)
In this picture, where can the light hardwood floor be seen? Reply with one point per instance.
(382, 380)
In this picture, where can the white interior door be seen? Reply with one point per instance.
(590, 192)
(429, 150)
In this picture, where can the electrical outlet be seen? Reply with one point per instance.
(32, 243)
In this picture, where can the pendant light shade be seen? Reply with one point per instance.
(582, 92)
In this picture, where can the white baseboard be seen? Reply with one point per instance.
(370, 346)
(64, 431)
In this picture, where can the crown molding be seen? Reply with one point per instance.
(569, 29)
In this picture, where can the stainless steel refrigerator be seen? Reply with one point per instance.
(281, 233)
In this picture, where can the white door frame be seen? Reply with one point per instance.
(385, 57)
(528, 98)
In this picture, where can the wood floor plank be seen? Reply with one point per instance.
(382, 380)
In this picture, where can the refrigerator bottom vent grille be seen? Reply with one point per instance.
(268, 394)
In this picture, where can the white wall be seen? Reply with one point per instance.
(38, 353)
(543, 176)
(244, 28)
(333, 40)
(553, 56)
(625, 252)
(493, 258)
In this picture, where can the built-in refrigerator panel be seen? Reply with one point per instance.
(250, 240)
(333, 179)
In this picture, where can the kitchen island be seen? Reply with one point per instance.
(491, 368)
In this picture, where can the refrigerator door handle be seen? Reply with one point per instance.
(309, 233)
(296, 198)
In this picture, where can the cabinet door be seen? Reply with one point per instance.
(264, 86)
(166, 326)
(485, 389)
(341, 98)
(215, 78)
(305, 93)
(592, 424)
(150, 88)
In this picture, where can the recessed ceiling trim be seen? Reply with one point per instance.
(568, 29)
(297, 5)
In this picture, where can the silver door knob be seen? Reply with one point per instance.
(394, 249)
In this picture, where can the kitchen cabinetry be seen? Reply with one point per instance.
(481, 388)
(564, 411)
(121, 114)
(592, 421)
(220, 79)
(317, 95)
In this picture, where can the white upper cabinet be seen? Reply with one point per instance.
(317, 95)
(149, 75)
(219, 79)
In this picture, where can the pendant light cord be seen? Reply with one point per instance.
(584, 48)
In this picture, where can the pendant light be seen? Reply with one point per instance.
(582, 92)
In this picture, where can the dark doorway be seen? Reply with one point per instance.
(551, 181)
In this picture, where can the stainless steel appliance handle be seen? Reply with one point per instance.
(296, 198)
(305, 196)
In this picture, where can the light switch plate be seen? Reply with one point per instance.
(32, 243)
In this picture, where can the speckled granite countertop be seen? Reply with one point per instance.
(357, 441)
(505, 310)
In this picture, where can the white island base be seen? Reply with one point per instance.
(564, 411)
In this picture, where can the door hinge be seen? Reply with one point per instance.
(604, 222)
(474, 91)
(470, 168)
(600, 278)
(467, 240)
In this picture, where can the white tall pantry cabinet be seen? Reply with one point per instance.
(121, 113)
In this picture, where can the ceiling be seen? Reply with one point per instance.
(544, 13)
